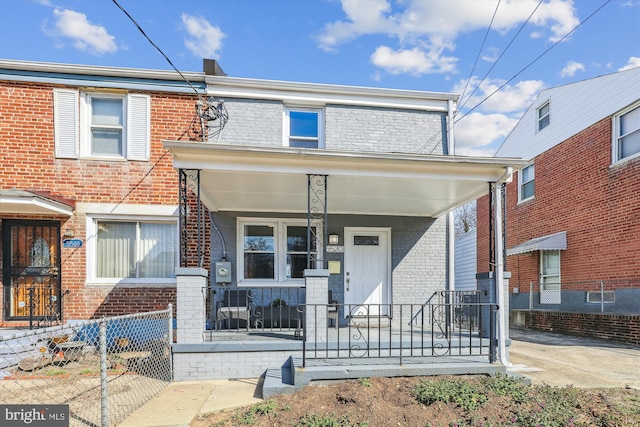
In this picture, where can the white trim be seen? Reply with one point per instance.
(286, 137)
(280, 249)
(546, 103)
(91, 232)
(520, 183)
(615, 133)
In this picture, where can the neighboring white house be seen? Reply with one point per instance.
(465, 261)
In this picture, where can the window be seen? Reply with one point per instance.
(273, 250)
(107, 121)
(304, 128)
(132, 251)
(543, 116)
(526, 182)
(627, 134)
(106, 126)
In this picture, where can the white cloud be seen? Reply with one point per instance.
(480, 134)
(204, 39)
(571, 69)
(633, 62)
(86, 36)
(433, 26)
(414, 61)
(512, 99)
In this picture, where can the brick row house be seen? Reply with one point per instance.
(88, 200)
(573, 212)
(292, 193)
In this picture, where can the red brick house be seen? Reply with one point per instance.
(88, 193)
(573, 213)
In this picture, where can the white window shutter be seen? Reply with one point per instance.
(138, 127)
(65, 118)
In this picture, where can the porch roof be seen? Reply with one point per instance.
(28, 202)
(274, 179)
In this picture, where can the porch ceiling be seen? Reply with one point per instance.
(267, 179)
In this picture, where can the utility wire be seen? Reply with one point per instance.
(534, 61)
(499, 57)
(486, 34)
(154, 45)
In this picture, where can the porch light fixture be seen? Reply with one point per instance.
(333, 239)
(69, 233)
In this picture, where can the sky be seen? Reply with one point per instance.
(497, 54)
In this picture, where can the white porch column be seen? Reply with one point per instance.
(317, 292)
(190, 310)
(501, 327)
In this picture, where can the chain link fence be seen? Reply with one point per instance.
(103, 369)
(598, 296)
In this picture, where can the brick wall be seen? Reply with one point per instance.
(27, 154)
(614, 327)
(577, 190)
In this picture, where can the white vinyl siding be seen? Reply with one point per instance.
(74, 136)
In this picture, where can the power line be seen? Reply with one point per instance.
(534, 61)
(154, 45)
(499, 57)
(480, 50)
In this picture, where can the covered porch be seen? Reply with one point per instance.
(320, 185)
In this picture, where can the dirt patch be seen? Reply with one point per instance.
(468, 400)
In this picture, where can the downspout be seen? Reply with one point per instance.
(500, 294)
(450, 217)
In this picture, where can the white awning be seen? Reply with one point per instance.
(27, 202)
(557, 241)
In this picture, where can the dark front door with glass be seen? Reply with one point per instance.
(31, 270)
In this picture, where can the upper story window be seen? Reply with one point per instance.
(304, 128)
(626, 128)
(543, 116)
(272, 251)
(526, 182)
(106, 126)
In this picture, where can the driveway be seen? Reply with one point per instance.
(561, 360)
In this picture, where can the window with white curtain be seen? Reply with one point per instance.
(135, 249)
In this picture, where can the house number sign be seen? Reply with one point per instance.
(71, 243)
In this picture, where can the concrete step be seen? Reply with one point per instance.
(279, 380)
(292, 376)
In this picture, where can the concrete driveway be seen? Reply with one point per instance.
(561, 360)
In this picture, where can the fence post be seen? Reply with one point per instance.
(530, 295)
(104, 403)
(601, 296)
(170, 340)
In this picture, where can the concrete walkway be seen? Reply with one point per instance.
(179, 403)
(545, 358)
(560, 360)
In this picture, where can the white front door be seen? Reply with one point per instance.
(367, 261)
(550, 288)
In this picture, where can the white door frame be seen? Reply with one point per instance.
(386, 281)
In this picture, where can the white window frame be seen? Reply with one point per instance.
(280, 250)
(92, 250)
(547, 116)
(521, 183)
(287, 122)
(616, 137)
(73, 121)
(86, 138)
